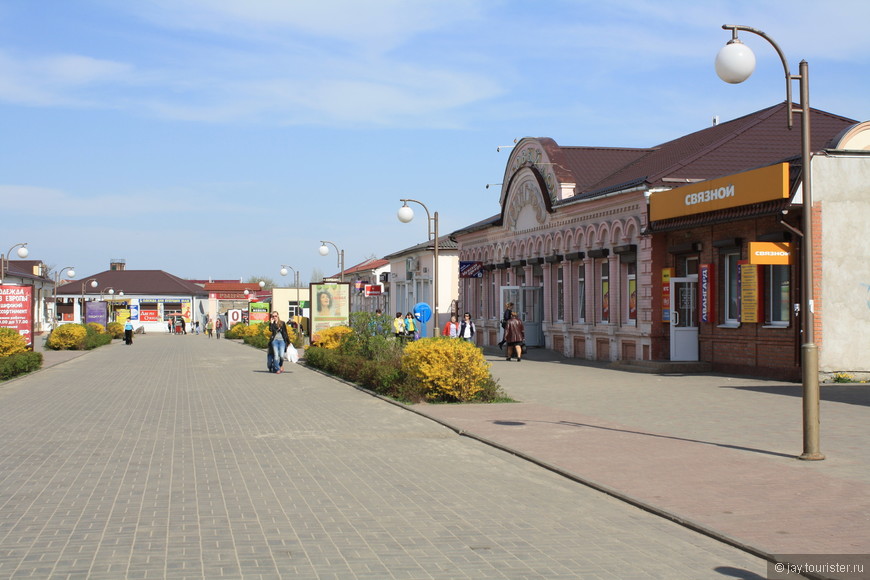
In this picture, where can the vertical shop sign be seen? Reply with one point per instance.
(16, 310)
(750, 292)
(666, 293)
(705, 278)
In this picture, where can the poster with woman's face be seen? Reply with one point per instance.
(330, 305)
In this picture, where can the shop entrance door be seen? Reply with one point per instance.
(684, 319)
(529, 306)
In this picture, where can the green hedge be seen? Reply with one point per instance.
(93, 340)
(18, 364)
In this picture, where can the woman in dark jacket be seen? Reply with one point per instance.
(277, 343)
(508, 312)
(515, 336)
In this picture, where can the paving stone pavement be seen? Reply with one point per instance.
(715, 451)
(181, 457)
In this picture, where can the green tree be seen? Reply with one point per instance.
(270, 283)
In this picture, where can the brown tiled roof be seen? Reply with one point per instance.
(372, 264)
(447, 242)
(232, 286)
(755, 140)
(23, 269)
(153, 282)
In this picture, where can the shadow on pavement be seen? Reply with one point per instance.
(857, 394)
(575, 424)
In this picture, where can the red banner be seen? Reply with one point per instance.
(16, 310)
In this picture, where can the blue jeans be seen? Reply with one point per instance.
(278, 352)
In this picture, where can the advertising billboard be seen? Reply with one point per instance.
(330, 306)
(16, 310)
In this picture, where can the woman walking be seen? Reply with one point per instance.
(128, 332)
(508, 312)
(278, 342)
(411, 327)
(466, 328)
(515, 336)
(451, 329)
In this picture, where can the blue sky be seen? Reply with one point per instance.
(224, 138)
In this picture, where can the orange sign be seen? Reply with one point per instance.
(765, 184)
(770, 253)
(750, 292)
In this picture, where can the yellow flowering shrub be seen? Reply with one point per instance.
(96, 327)
(331, 337)
(447, 368)
(67, 337)
(116, 329)
(11, 342)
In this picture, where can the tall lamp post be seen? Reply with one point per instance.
(111, 292)
(324, 250)
(734, 64)
(70, 273)
(4, 258)
(405, 215)
(94, 284)
(284, 272)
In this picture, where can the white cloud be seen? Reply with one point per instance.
(371, 26)
(57, 79)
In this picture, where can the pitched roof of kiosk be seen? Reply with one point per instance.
(155, 282)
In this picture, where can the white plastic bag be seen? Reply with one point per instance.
(291, 354)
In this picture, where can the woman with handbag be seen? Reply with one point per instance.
(508, 312)
(411, 327)
(278, 342)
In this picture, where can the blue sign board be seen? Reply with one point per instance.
(468, 269)
(423, 313)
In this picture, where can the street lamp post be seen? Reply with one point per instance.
(4, 258)
(284, 272)
(324, 250)
(94, 284)
(71, 273)
(405, 215)
(111, 292)
(734, 63)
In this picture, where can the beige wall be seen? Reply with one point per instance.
(841, 191)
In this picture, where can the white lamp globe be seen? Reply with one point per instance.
(94, 284)
(735, 62)
(324, 250)
(111, 291)
(22, 252)
(262, 284)
(405, 214)
(70, 273)
(283, 271)
(121, 293)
